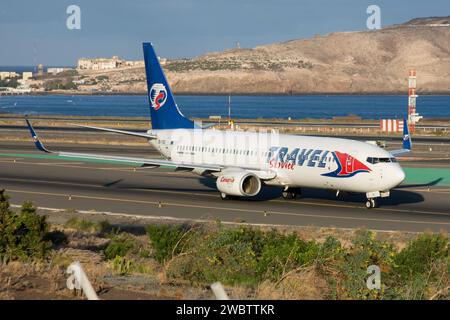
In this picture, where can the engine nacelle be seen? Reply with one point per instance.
(239, 183)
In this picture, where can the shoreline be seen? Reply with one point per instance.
(262, 94)
(345, 120)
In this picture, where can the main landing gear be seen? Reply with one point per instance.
(291, 193)
(224, 196)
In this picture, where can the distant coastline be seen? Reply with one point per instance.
(144, 93)
(20, 69)
(242, 106)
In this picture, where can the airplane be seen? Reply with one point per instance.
(243, 161)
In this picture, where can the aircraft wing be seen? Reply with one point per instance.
(262, 174)
(120, 159)
(407, 143)
(139, 161)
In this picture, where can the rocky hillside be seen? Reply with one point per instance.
(345, 62)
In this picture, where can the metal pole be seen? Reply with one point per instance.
(219, 291)
(79, 280)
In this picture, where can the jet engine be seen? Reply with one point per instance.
(239, 183)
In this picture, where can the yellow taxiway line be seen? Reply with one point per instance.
(176, 204)
(299, 202)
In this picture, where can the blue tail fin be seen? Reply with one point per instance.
(407, 144)
(163, 109)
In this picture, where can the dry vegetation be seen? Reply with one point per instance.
(179, 261)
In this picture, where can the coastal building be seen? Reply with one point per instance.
(40, 69)
(8, 74)
(110, 63)
(136, 63)
(99, 63)
(27, 75)
(78, 82)
(55, 71)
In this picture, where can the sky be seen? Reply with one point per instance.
(33, 32)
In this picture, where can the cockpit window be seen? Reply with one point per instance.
(374, 160)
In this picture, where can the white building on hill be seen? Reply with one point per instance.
(8, 74)
(108, 63)
(99, 63)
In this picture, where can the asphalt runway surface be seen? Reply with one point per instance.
(118, 189)
(388, 138)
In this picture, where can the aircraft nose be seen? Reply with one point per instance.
(398, 176)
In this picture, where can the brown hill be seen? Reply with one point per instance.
(345, 62)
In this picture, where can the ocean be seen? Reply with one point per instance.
(295, 107)
(20, 69)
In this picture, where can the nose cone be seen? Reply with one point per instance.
(398, 175)
(393, 177)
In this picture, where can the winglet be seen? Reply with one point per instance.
(407, 143)
(36, 140)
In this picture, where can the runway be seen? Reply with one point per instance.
(56, 184)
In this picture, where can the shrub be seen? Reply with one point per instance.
(282, 253)
(122, 265)
(422, 264)
(365, 251)
(242, 256)
(57, 238)
(102, 77)
(165, 240)
(418, 256)
(120, 246)
(22, 235)
(58, 84)
(249, 256)
(225, 255)
(88, 226)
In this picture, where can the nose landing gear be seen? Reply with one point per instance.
(372, 197)
(371, 203)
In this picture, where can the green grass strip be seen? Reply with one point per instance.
(432, 176)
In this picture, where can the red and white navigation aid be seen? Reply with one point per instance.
(413, 116)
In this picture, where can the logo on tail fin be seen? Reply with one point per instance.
(158, 95)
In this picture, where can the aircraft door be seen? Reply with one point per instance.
(349, 164)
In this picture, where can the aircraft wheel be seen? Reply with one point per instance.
(297, 192)
(224, 196)
(374, 203)
(288, 195)
(371, 203)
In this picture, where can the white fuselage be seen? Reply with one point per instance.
(297, 161)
